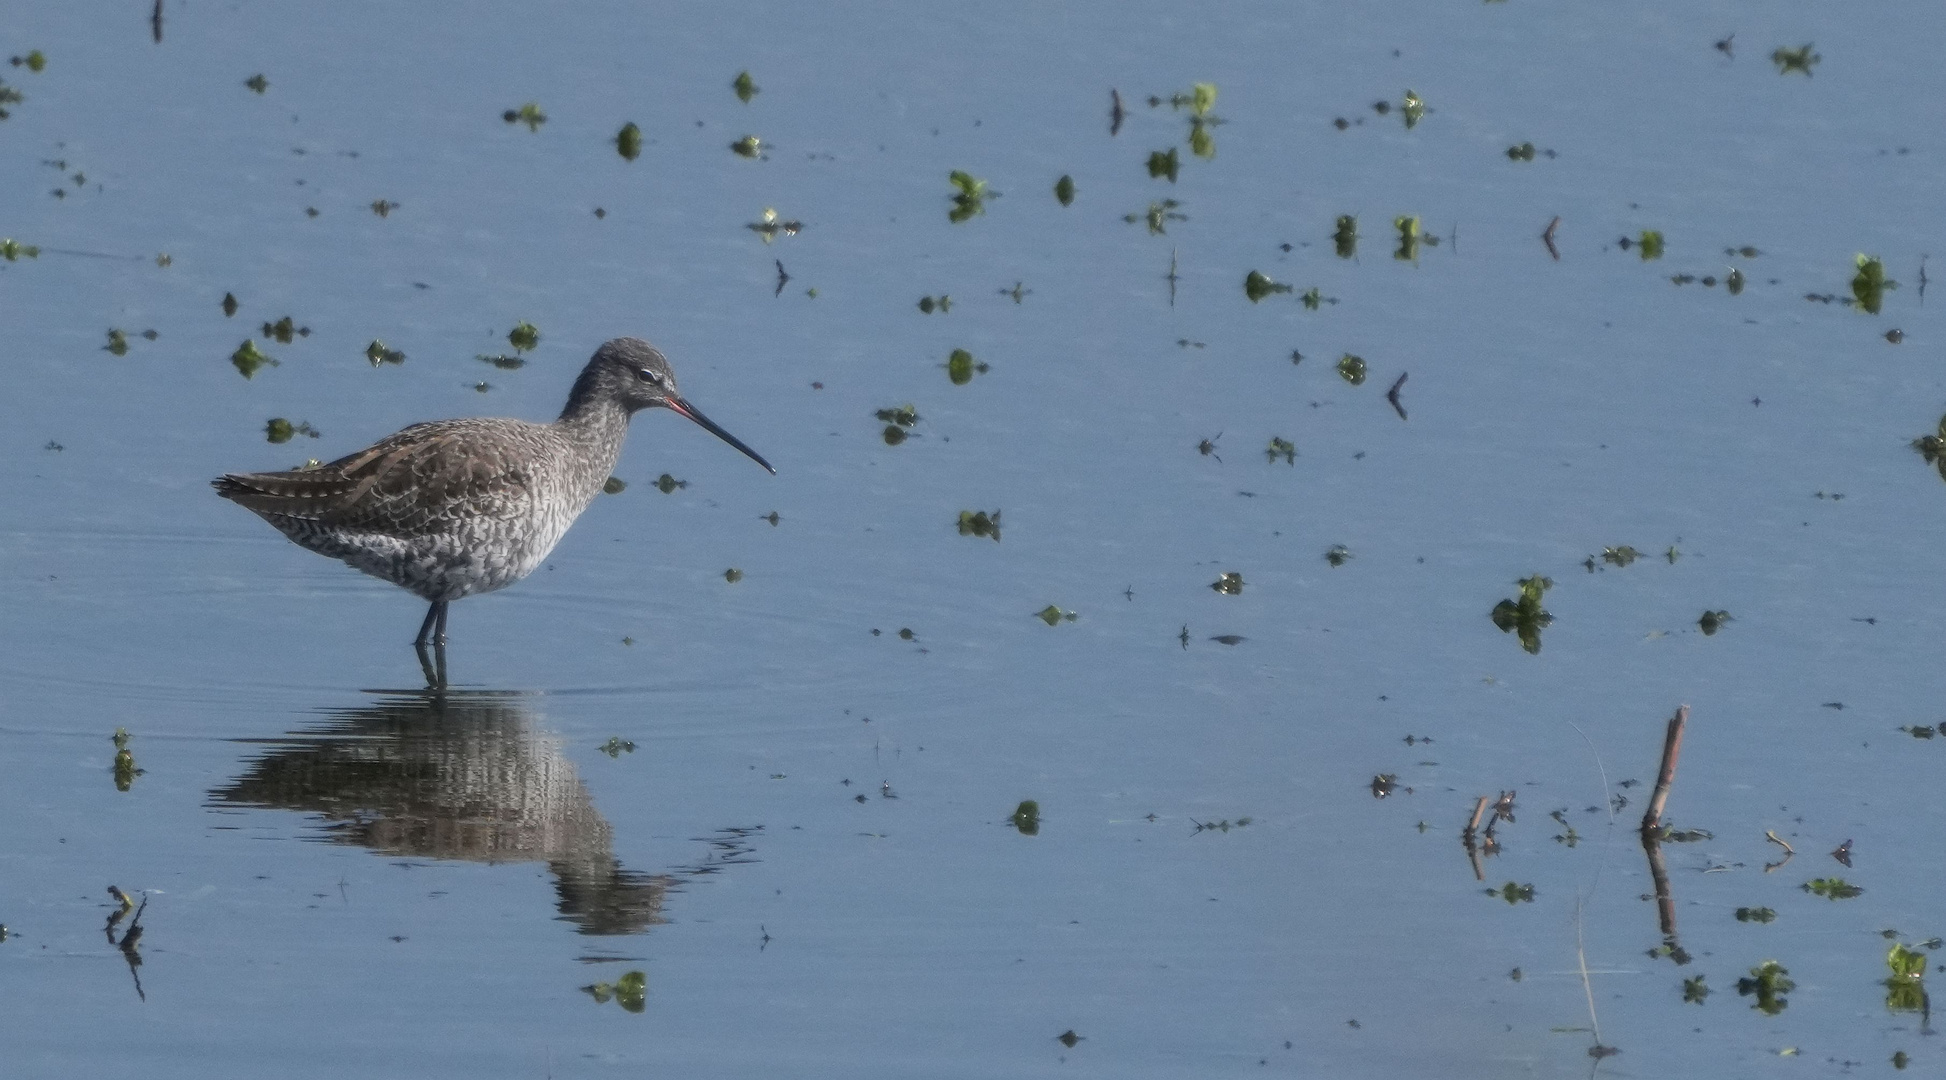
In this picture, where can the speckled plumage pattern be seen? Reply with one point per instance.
(456, 507)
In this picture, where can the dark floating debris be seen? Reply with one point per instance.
(1756, 915)
(616, 746)
(33, 61)
(1054, 616)
(1164, 165)
(1281, 447)
(1229, 584)
(529, 114)
(249, 359)
(969, 196)
(1018, 293)
(897, 421)
(503, 362)
(1229, 639)
(1256, 286)
(614, 485)
(257, 82)
(1392, 395)
(748, 147)
(961, 367)
(1523, 152)
(229, 305)
(1412, 109)
(745, 87)
(280, 430)
(378, 355)
(384, 207)
(1525, 616)
(1712, 621)
(1800, 60)
(1116, 114)
(1842, 853)
(284, 330)
(771, 226)
(1514, 893)
(669, 485)
(1895, 336)
(117, 343)
(1064, 190)
(733, 575)
(980, 523)
(1207, 448)
(1352, 369)
(524, 336)
(1026, 818)
(941, 303)
(1068, 1038)
(628, 141)
(1344, 238)
(1338, 555)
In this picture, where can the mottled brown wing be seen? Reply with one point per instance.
(409, 484)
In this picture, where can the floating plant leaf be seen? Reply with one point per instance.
(1733, 282)
(1312, 299)
(1832, 888)
(257, 82)
(33, 61)
(384, 207)
(1345, 237)
(1524, 615)
(1650, 244)
(1514, 893)
(614, 485)
(1694, 990)
(1064, 190)
(229, 305)
(733, 575)
(969, 196)
(117, 343)
(249, 359)
(616, 746)
(1202, 98)
(529, 114)
(1339, 555)
(630, 991)
(1054, 616)
(125, 769)
(1229, 584)
(1352, 369)
(893, 435)
(749, 146)
(1768, 982)
(1202, 139)
(524, 336)
(903, 415)
(1869, 284)
(1712, 621)
(668, 485)
(1523, 152)
(279, 430)
(1256, 286)
(1905, 990)
(12, 250)
(378, 355)
(1409, 237)
(961, 367)
(941, 303)
(1158, 216)
(1755, 915)
(980, 523)
(1619, 556)
(1413, 110)
(628, 141)
(284, 330)
(1800, 60)
(1026, 818)
(1164, 165)
(1281, 447)
(745, 87)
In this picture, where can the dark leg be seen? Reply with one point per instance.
(435, 613)
(439, 634)
(433, 667)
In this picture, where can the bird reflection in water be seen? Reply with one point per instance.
(464, 775)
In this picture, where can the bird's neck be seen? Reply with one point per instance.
(596, 428)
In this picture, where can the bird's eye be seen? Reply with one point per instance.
(649, 377)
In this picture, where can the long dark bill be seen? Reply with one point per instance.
(684, 408)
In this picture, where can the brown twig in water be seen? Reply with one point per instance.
(1469, 837)
(1392, 396)
(1671, 750)
(1548, 237)
(1115, 114)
